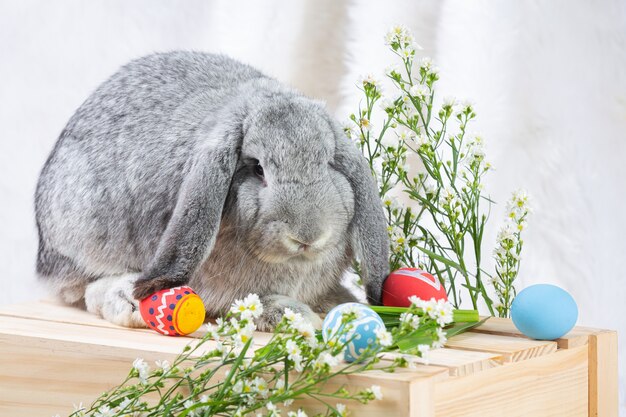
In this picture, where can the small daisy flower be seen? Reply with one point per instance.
(164, 365)
(383, 337)
(376, 390)
(419, 90)
(143, 369)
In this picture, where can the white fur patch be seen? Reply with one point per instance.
(112, 299)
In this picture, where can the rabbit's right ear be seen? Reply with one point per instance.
(192, 230)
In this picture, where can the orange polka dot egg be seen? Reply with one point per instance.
(174, 311)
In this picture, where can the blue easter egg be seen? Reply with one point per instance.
(364, 329)
(544, 312)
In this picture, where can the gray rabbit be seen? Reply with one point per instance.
(193, 168)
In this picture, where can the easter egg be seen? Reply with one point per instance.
(174, 311)
(544, 312)
(363, 332)
(405, 282)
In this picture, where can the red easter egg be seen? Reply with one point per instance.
(174, 311)
(405, 282)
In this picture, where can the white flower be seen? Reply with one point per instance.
(260, 386)
(378, 393)
(270, 406)
(341, 410)
(441, 338)
(365, 124)
(391, 70)
(294, 354)
(248, 308)
(506, 233)
(422, 140)
(165, 365)
(410, 319)
(305, 328)
(242, 334)
(416, 301)
(79, 410)
(299, 413)
(398, 34)
(424, 351)
(211, 329)
(444, 312)
(449, 101)
(291, 316)
(426, 63)
(410, 360)
(406, 135)
(288, 402)
(292, 349)
(383, 337)
(475, 148)
(105, 411)
(326, 358)
(393, 203)
(419, 90)
(253, 304)
(465, 105)
(143, 368)
(188, 403)
(387, 103)
(369, 80)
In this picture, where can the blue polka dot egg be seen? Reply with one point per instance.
(363, 332)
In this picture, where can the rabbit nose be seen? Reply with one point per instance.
(299, 244)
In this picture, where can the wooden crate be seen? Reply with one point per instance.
(53, 356)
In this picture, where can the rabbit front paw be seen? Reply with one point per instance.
(274, 308)
(112, 299)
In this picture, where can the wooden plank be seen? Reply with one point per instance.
(603, 379)
(54, 310)
(459, 362)
(512, 349)
(578, 336)
(548, 386)
(45, 376)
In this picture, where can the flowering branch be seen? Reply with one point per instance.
(442, 233)
(224, 373)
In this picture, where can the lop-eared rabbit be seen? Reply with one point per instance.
(193, 168)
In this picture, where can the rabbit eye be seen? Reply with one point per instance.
(258, 169)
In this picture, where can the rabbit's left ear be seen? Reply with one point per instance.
(369, 226)
(193, 227)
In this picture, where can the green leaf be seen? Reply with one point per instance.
(440, 258)
(459, 328)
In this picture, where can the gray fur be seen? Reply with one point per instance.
(154, 176)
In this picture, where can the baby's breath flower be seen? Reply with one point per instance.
(143, 369)
(378, 393)
(260, 386)
(449, 101)
(327, 359)
(341, 410)
(387, 104)
(424, 351)
(212, 330)
(365, 124)
(299, 413)
(164, 365)
(419, 90)
(368, 81)
(383, 337)
(411, 320)
(105, 411)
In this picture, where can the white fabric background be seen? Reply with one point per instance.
(548, 79)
